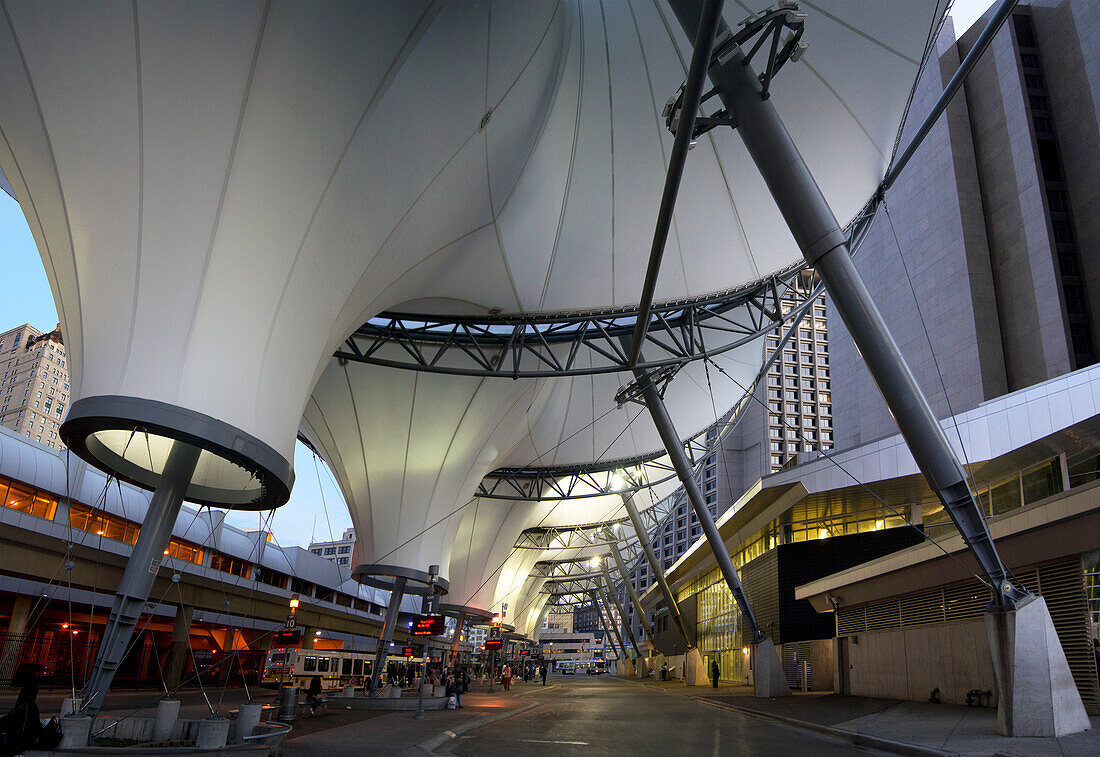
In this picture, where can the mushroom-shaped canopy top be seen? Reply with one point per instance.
(221, 192)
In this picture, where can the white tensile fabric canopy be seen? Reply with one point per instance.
(222, 192)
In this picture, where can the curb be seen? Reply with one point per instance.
(852, 737)
(429, 745)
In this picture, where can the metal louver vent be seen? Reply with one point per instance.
(922, 609)
(1063, 587)
(794, 655)
(966, 601)
(883, 615)
(850, 620)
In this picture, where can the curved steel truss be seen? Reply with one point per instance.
(577, 481)
(575, 343)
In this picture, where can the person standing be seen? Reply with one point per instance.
(506, 677)
(714, 672)
(542, 672)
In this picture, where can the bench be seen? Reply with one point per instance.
(313, 709)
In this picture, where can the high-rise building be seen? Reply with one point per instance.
(340, 551)
(992, 228)
(789, 419)
(34, 388)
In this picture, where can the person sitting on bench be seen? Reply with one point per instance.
(313, 695)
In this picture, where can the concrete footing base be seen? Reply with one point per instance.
(75, 730)
(768, 679)
(694, 673)
(1036, 695)
(213, 733)
(248, 717)
(168, 712)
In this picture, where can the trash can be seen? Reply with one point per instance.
(288, 704)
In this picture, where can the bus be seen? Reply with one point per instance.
(296, 667)
(336, 667)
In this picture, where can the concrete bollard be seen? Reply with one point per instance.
(288, 704)
(164, 724)
(248, 717)
(439, 690)
(213, 733)
(349, 691)
(394, 692)
(69, 706)
(74, 731)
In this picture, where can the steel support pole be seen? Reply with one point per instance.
(607, 632)
(634, 598)
(392, 611)
(621, 609)
(686, 473)
(655, 568)
(709, 18)
(461, 621)
(141, 571)
(824, 245)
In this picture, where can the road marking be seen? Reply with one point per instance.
(542, 741)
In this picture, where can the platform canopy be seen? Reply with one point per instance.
(221, 193)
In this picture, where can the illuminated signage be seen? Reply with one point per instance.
(494, 644)
(525, 653)
(427, 625)
(287, 638)
(408, 652)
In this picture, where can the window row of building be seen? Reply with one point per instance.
(27, 499)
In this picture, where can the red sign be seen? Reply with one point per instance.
(493, 644)
(408, 652)
(525, 653)
(287, 638)
(427, 625)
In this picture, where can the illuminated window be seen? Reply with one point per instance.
(26, 499)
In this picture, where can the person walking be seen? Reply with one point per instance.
(714, 672)
(506, 676)
(542, 672)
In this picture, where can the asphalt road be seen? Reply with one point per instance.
(603, 716)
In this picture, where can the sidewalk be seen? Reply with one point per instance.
(943, 727)
(929, 728)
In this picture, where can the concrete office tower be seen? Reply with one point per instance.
(997, 221)
(34, 389)
(340, 551)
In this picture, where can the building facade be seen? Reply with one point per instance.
(992, 227)
(341, 551)
(34, 388)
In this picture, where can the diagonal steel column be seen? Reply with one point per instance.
(609, 628)
(141, 571)
(457, 638)
(622, 613)
(655, 568)
(634, 598)
(686, 473)
(824, 245)
(394, 609)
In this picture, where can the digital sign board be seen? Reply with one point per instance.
(291, 638)
(427, 625)
(493, 644)
(525, 653)
(408, 652)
